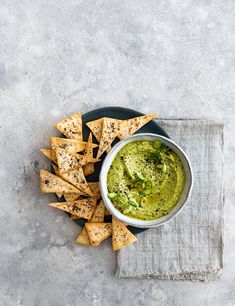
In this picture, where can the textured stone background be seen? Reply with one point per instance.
(59, 57)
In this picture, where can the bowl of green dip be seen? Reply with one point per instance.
(145, 180)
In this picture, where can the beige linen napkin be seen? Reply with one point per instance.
(190, 246)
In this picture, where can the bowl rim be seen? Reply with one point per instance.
(103, 182)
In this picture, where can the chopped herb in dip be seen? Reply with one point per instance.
(145, 180)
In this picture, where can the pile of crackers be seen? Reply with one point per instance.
(72, 161)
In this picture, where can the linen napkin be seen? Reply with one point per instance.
(190, 246)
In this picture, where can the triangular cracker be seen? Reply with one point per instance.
(95, 189)
(96, 127)
(111, 128)
(130, 126)
(52, 183)
(50, 154)
(97, 232)
(74, 217)
(55, 168)
(121, 235)
(98, 216)
(71, 126)
(83, 237)
(75, 177)
(81, 208)
(68, 161)
(71, 196)
(71, 145)
(89, 168)
(106, 212)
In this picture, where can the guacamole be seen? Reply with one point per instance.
(145, 180)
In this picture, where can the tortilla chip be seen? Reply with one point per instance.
(68, 161)
(83, 237)
(98, 216)
(121, 235)
(71, 126)
(52, 183)
(75, 177)
(95, 189)
(97, 232)
(130, 126)
(111, 128)
(106, 212)
(96, 127)
(81, 208)
(71, 145)
(50, 154)
(71, 196)
(89, 168)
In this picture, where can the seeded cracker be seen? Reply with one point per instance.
(71, 126)
(89, 168)
(71, 145)
(121, 235)
(50, 154)
(59, 195)
(111, 128)
(130, 126)
(52, 183)
(95, 189)
(71, 197)
(98, 216)
(106, 212)
(68, 161)
(96, 127)
(97, 232)
(76, 177)
(81, 208)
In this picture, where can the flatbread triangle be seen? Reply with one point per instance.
(95, 189)
(97, 232)
(83, 237)
(121, 235)
(76, 177)
(71, 145)
(71, 126)
(96, 126)
(89, 168)
(111, 128)
(69, 161)
(50, 154)
(130, 126)
(71, 197)
(98, 216)
(82, 208)
(52, 183)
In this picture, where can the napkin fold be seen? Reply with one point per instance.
(190, 246)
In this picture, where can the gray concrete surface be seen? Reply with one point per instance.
(59, 57)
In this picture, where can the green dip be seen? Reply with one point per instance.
(145, 180)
